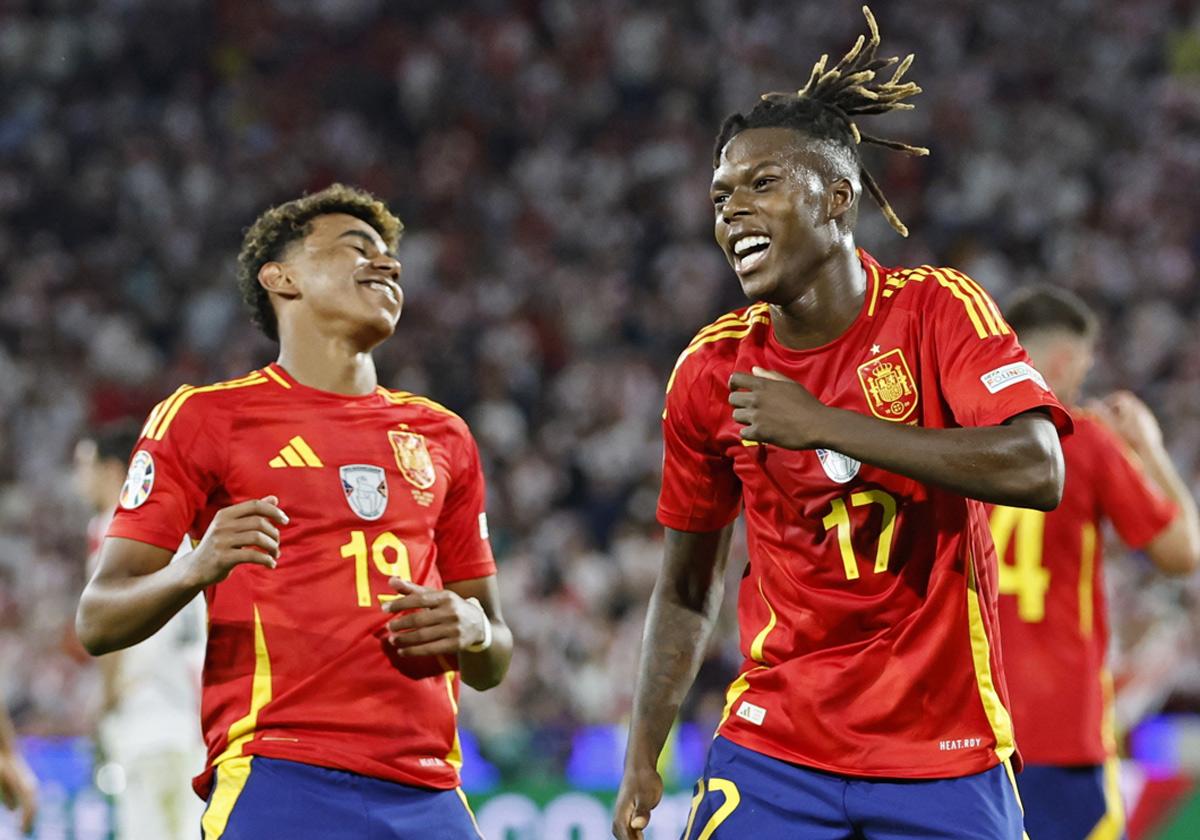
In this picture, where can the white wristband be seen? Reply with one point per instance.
(480, 647)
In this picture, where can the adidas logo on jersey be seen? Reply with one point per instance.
(297, 453)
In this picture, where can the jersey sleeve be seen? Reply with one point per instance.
(1136, 507)
(700, 490)
(463, 549)
(986, 376)
(176, 464)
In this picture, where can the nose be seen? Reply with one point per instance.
(387, 264)
(735, 206)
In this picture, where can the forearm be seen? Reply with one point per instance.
(1018, 463)
(487, 668)
(8, 737)
(683, 610)
(1177, 550)
(116, 612)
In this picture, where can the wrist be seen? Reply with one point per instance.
(486, 642)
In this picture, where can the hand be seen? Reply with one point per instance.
(640, 791)
(1131, 419)
(18, 788)
(241, 533)
(437, 621)
(774, 409)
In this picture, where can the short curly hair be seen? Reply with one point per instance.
(278, 227)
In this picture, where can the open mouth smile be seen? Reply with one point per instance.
(749, 251)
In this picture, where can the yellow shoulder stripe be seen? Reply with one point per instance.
(157, 413)
(873, 276)
(405, 398)
(986, 304)
(278, 379)
(170, 408)
(739, 327)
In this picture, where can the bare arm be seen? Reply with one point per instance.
(137, 589)
(1018, 463)
(441, 622)
(1176, 550)
(683, 610)
(18, 787)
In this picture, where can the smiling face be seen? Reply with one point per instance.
(779, 211)
(340, 278)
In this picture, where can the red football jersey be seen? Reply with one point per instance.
(298, 666)
(1053, 611)
(867, 611)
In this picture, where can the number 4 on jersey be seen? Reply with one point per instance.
(1025, 577)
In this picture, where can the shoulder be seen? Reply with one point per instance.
(715, 347)
(430, 413)
(195, 406)
(940, 294)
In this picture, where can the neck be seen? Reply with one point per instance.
(328, 363)
(831, 299)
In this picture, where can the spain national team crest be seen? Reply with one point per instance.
(366, 491)
(889, 386)
(412, 457)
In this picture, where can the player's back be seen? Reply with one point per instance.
(1053, 608)
(298, 664)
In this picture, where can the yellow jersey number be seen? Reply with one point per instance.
(1025, 577)
(389, 555)
(839, 518)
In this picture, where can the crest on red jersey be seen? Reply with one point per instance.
(412, 457)
(889, 387)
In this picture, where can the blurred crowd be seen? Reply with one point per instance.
(551, 160)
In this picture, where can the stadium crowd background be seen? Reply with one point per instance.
(551, 161)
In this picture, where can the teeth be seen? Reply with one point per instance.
(749, 242)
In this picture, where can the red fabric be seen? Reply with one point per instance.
(872, 676)
(339, 697)
(1055, 664)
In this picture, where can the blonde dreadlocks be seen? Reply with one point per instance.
(825, 108)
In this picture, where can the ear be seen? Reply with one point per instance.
(840, 198)
(275, 278)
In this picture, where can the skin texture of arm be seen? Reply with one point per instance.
(441, 622)
(683, 610)
(1176, 550)
(137, 589)
(18, 787)
(1018, 463)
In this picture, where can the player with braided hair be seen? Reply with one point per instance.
(860, 416)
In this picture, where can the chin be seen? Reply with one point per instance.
(760, 287)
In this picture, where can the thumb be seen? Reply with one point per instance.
(271, 500)
(769, 374)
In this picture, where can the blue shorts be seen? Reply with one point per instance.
(255, 798)
(1072, 803)
(745, 794)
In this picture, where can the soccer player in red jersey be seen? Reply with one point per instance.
(341, 546)
(1053, 613)
(860, 415)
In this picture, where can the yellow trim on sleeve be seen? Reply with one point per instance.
(986, 303)
(740, 328)
(231, 781)
(184, 394)
(967, 302)
(998, 716)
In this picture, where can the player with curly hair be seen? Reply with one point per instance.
(340, 542)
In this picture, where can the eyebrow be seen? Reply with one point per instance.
(366, 237)
(725, 184)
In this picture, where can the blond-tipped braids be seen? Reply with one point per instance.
(827, 106)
